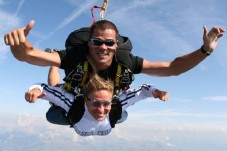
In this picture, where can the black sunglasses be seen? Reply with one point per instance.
(95, 103)
(98, 42)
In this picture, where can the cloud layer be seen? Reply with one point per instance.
(27, 132)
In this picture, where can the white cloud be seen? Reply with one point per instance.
(34, 133)
(216, 98)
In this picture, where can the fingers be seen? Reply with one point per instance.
(162, 95)
(18, 36)
(29, 27)
(15, 37)
(205, 31)
(219, 32)
(210, 38)
(32, 96)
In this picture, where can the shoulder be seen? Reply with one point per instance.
(72, 55)
(127, 59)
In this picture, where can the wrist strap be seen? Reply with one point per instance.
(207, 53)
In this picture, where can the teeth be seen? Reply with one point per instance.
(100, 114)
(102, 54)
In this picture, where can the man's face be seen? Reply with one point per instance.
(102, 51)
(99, 104)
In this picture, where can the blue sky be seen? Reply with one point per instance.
(160, 30)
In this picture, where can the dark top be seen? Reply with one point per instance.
(75, 55)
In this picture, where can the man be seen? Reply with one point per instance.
(101, 50)
(102, 55)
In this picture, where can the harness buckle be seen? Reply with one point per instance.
(125, 77)
(78, 75)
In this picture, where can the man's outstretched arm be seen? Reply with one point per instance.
(188, 61)
(23, 50)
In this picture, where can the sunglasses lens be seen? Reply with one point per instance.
(98, 42)
(99, 103)
(106, 104)
(110, 43)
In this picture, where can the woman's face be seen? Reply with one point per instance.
(99, 104)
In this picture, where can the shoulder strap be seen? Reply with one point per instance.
(123, 78)
(118, 75)
(77, 78)
(85, 68)
(77, 109)
(115, 112)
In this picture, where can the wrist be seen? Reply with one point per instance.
(207, 53)
(49, 50)
(35, 87)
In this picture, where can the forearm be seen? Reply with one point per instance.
(175, 67)
(58, 96)
(130, 97)
(54, 76)
(186, 62)
(31, 55)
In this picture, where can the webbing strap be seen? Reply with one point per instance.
(92, 12)
(67, 86)
(85, 69)
(103, 10)
(117, 77)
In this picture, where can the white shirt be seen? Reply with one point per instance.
(88, 125)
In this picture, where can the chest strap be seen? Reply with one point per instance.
(118, 75)
(77, 78)
(85, 74)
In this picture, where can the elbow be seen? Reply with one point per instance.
(176, 73)
(173, 71)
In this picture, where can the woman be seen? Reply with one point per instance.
(97, 111)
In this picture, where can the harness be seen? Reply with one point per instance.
(76, 80)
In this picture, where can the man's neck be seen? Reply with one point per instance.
(100, 67)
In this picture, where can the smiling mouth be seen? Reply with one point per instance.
(100, 114)
(102, 54)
